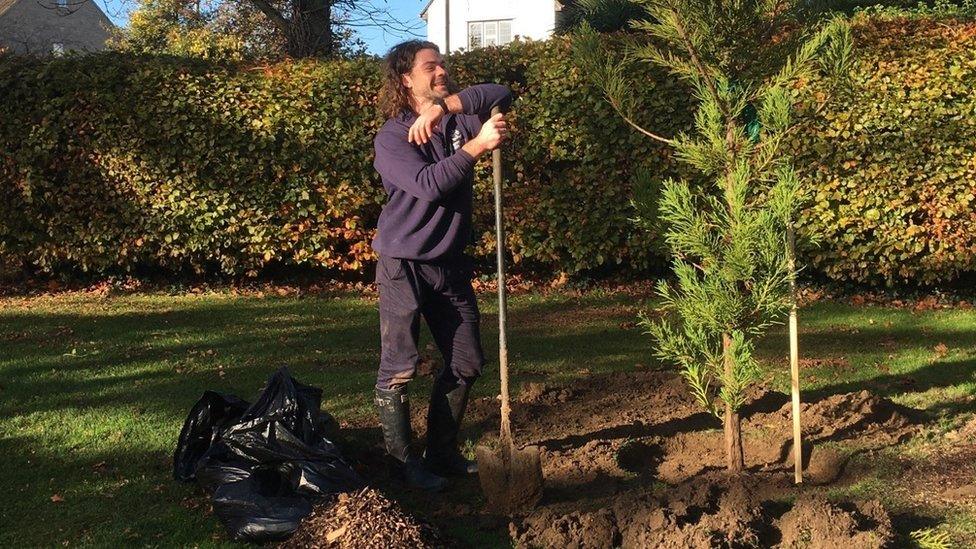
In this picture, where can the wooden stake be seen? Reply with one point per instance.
(794, 362)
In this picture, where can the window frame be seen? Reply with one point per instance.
(482, 33)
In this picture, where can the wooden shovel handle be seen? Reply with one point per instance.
(506, 426)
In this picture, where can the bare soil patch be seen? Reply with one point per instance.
(584, 427)
(710, 512)
(631, 460)
(945, 477)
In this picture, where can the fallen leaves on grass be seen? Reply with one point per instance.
(840, 363)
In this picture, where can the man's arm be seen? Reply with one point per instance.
(402, 165)
(479, 100)
(491, 135)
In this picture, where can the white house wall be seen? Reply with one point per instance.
(533, 19)
(435, 23)
(536, 19)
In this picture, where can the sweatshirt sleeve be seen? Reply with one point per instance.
(401, 164)
(481, 98)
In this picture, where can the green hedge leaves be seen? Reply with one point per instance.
(114, 162)
(890, 165)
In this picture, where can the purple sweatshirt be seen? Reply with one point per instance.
(427, 216)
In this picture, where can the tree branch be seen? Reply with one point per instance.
(696, 60)
(645, 132)
(273, 14)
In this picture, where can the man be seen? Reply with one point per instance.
(425, 154)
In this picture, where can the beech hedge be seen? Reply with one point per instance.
(890, 163)
(114, 162)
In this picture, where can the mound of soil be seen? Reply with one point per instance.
(813, 522)
(706, 514)
(363, 520)
(841, 416)
(631, 460)
(577, 529)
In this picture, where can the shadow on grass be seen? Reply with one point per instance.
(166, 359)
(905, 523)
(701, 421)
(115, 498)
(867, 356)
(937, 375)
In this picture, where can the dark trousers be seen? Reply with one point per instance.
(440, 292)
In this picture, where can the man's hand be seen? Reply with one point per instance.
(493, 132)
(426, 123)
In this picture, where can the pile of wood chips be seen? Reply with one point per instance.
(363, 519)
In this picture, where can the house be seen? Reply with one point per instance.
(52, 27)
(478, 23)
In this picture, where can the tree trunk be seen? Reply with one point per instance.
(735, 457)
(309, 32)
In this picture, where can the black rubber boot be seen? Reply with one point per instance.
(394, 411)
(447, 403)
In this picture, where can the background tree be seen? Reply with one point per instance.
(600, 15)
(726, 228)
(188, 28)
(253, 29)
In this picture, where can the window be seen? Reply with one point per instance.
(474, 35)
(57, 48)
(504, 32)
(489, 33)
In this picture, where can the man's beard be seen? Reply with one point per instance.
(432, 93)
(439, 90)
(438, 93)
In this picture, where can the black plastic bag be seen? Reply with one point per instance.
(264, 463)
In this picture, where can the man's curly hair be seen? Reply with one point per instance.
(394, 97)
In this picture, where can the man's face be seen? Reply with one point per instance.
(427, 79)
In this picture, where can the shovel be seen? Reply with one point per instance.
(511, 478)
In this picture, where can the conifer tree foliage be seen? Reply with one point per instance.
(727, 226)
(601, 15)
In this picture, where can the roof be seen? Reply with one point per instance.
(6, 5)
(423, 12)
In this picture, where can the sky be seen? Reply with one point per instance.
(377, 40)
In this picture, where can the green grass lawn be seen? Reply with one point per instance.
(94, 389)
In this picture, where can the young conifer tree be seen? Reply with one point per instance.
(726, 227)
